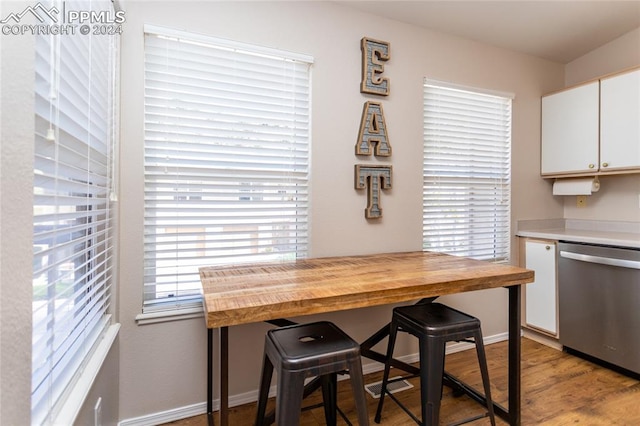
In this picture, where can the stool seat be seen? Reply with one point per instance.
(434, 319)
(312, 347)
(434, 324)
(306, 350)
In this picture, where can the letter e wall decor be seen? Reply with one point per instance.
(374, 54)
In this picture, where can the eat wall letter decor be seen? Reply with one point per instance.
(374, 54)
(373, 179)
(373, 130)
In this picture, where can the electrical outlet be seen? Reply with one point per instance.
(581, 201)
(97, 413)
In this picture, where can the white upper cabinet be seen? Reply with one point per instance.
(570, 130)
(593, 128)
(620, 122)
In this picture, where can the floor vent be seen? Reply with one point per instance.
(375, 388)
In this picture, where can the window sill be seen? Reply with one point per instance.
(70, 408)
(169, 315)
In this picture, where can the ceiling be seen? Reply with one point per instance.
(557, 30)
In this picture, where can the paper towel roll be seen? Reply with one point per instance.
(577, 186)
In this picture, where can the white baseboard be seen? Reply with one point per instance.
(252, 396)
(166, 416)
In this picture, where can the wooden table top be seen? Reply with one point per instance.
(246, 293)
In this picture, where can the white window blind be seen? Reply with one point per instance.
(226, 160)
(72, 213)
(466, 172)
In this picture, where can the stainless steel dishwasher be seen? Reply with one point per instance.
(599, 302)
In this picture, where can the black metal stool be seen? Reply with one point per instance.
(434, 324)
(306, 350)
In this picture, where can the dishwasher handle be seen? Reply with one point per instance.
(623, 263)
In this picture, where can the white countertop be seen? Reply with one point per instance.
(623, 234)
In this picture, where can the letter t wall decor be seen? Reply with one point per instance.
(373, 179)
(373, 128)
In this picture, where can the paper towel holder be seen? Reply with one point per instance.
(576, 186)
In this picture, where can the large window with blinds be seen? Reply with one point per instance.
(226, 160)
(466, 171)
(73, 236)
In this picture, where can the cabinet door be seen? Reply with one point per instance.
(620, 122)
(570, 130)
(541, 295)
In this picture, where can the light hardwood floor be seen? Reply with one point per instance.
(557, 389)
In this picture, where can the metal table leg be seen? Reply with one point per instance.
(515, 350)
(224, 376)
(210, 376)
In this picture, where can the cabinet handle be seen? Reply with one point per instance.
(591, 166)
(548, 247)
(605, 164)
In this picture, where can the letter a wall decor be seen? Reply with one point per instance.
(373, 137)
(373, 130)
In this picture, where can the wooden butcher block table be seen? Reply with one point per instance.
(256, 292)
